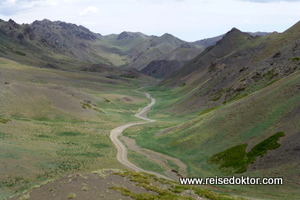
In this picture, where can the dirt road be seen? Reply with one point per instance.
(122, 150)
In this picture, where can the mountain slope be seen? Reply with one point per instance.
(161, 68)
(237, 65)
(50, 44)
(224, 106)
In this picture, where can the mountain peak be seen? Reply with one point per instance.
(13, 23)
(234, 36)
(234, 30)
(129, 35)
(61, 29)
(167, 35)
(125, 35)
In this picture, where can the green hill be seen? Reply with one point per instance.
(221, 107)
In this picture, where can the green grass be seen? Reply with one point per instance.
(236, 97)
(235, 159)
(85, 105)
(19, 53)
(232, 160)
(270, 74)
(273, 81)
(69, 133)
(194, 139)
(165, 189)
(296, 59)
(209, 110)
(173, 165)
(263, 147)
(71, 196)
(98, 110)
(217, 96)
(4, 121)
(52, 134)
(100, 145)
(144, 162)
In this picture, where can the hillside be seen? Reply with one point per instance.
(233, 110)
(237, 65)
(57, 122)
(161, 68)
(48, 44)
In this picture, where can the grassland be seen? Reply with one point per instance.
(249, 120)
(57, 122)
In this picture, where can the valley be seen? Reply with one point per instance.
(82, 110)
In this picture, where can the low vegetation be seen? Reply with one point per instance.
(263, 147)
(53, 126)
(165, 189)
(242, 123)
(232, 160)
(209, 110)
(296, 59)
(4, 121)
(235, 159)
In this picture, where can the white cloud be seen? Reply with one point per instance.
(11, 7)
(89, 11)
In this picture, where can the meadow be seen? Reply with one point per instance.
(56, 122)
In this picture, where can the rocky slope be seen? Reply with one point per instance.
(238, 64)
(161, 68)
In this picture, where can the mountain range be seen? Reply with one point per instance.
(64, 45)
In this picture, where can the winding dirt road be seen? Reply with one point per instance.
(122, 150)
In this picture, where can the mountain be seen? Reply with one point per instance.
(63, 45)
(141, 49)
(229, 43)
(50, 44)
(234, 110)
(213, 40)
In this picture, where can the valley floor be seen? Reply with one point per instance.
(56, 128)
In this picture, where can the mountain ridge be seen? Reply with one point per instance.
(63, 45)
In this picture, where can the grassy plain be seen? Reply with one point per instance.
(56, 122)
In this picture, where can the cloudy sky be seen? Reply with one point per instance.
(189, 20)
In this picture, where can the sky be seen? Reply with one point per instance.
(189, 20)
